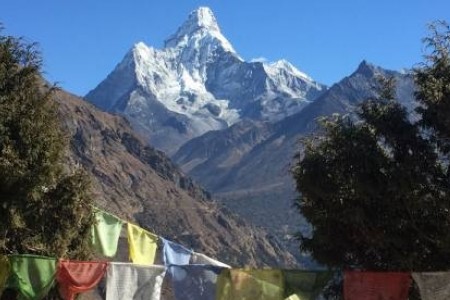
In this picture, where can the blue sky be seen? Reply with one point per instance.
(83, 40)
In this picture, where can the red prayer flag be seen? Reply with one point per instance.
(376, 285)
(78, 276)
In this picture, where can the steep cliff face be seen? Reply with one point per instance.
(139, 183)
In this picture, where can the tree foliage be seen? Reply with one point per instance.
(44, 209)
(376, 190)
(433, 81)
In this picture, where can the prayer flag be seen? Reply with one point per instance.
(143, 245)
(250, 284)
(78, 276)
(305, 285)
(106, 233)
(134, 282)
(194, 282)
(31, 275)
(433, 285)
(201, 259)
(376, 285)
(175, 254)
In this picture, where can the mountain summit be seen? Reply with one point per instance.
(200, 23)
(198, 83)
(203, 17)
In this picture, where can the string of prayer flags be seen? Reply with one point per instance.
(134, 282)
(143, 245)
(78, 276)
(201, 259)
(31, 275)
(5, 269)
(175, 254)
(305, 285)
(106, 233)
(433, 285)
(250, 284)
(376, 285)
(194, 282)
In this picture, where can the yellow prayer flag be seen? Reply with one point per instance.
(143, 245)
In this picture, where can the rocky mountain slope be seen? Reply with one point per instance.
(140, 184)
(247, 165)
(198, 83)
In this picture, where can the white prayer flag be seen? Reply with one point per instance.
(433, 285)
(134, 282)
(201, 259)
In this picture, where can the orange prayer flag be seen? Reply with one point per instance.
(78, 276)
(376, 285)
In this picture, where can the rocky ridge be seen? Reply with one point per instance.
(247, 166)
(140, 184)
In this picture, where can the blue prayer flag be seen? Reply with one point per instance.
(194, 282)
(175, 254)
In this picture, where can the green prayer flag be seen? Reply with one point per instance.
(31, 275)
(5, 269)
(106, 233)
(304, 285)
(249, 284)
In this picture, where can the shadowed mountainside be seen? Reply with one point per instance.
(140, 184)
(252, 160)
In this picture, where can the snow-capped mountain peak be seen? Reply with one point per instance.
(200, 30)
(283, 64)
(198, 83)
(201, 17)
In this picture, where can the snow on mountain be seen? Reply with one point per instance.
(183, 91)
(198, 83)
(281, 65)
(201, 26)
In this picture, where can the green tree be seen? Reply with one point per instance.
(45, 209)
(376, 190)
(433, 81)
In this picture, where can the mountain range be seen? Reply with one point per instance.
(233, 125)
(247, 166)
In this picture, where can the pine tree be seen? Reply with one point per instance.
(377, 191)
(433, 81)
(44, 208)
